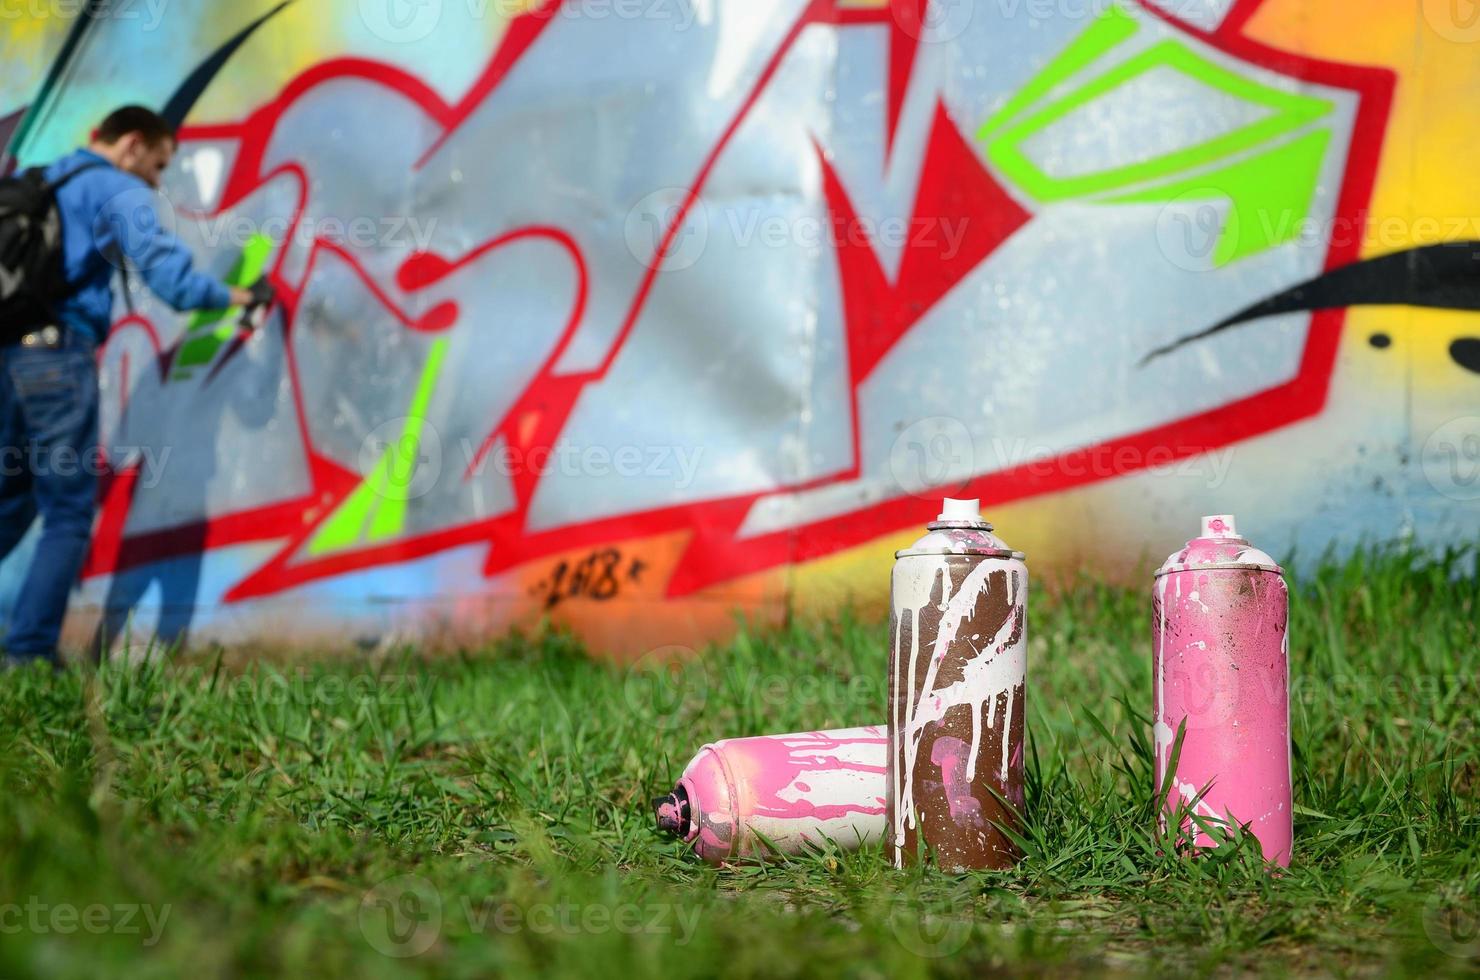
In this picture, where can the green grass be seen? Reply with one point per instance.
(254, 820)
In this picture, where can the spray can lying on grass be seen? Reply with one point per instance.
(1220, 612)
(957, 694)
(748, 797)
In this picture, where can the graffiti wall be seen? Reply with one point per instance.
(638, 313)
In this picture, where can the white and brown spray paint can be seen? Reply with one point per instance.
(957, 694)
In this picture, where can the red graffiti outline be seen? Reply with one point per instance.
(715, 553)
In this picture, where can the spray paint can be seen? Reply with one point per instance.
(1220, 615)
(957, 694)
(747, 797)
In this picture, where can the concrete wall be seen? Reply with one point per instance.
(633, 313)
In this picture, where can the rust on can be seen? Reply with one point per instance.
(957, 695)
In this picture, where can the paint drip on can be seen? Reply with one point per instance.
(1220, 615)
(957, 694)
(780, 794)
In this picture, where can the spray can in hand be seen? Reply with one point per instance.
(1220, 614)
(957, 694)
(747, 797)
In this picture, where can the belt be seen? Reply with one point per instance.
(49, 337)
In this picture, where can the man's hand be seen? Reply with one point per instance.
(260, 293)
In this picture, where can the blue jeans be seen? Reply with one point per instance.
(49, 464)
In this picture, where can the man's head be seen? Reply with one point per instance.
(137, 140)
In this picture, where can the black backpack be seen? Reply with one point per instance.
(31, 274)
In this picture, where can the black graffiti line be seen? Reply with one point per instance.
(1445, 276)
(195, 84)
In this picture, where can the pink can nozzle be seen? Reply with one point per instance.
(1220, 526)
(673, 814)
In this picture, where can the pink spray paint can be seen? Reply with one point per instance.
(958, 671)
(748, 797)
(1220, 615)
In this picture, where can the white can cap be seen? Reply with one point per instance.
(1220, 526)
(964, 511)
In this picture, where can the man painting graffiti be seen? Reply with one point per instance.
(48, 372)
